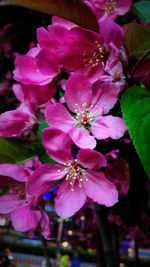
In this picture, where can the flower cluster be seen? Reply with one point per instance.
(77, 122)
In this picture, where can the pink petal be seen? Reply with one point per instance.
(8, 203)
(105, 96)
(14, 123)
(68, 202)
(112, 33)
(47, 63)
(63, 22)
(59, 36)
(45, 225)
(108, 126)
(58, 117)
(78, 92)
(27, 71)
(82, 138)
(91, 159)
(42, 179)
(123, 6)
(25, 218)
(12, 170)
(99, 189)
(58, 145)
(43, 38)
(34, 94)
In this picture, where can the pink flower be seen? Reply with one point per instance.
(28, 71)
(23, 209)
(33, 95)
(15, 122)
(87, 51)
(69, 47)
(83, 177)
(109, 8)
(113, 71)
(89, 106)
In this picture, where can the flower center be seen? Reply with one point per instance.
(85, 116)
(94, 55)
(110, 7)
(75, 173)
(19, 190)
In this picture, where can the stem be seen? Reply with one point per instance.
(115, 243)
(105, 237)
(44, 242)
(139, 62)
(136, 254)
(100, 257)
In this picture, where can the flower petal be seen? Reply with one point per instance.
(47, 63)
(112, 33)
(8, 203)
(63, 22)
(33, 94)
(108, 126)
(78, 92)
(99, 189)
(12, 170)
(105, 97)
(58, 117)
(68, 202)
(45, 225)
(27, 71)
(58, 145)
(91, 159)
(14, 123)
(82, 138)
(42, 179)
(25, 218)
(123, 6)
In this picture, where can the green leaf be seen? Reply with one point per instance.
(137, 40)
(142, 9)
(39, 148)
(73, 10)
(135, 104)
(15, 151)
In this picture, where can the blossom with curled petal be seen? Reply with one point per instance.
(82, 175)
(71, 48)
(109, 8)
(88, 106)
(16, 122)
(24, 210)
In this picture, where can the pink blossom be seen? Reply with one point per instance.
(113, 72)
(69, 47)
(25, 214)
(109, 8)
(89, 108)
(28, 71)
(83, 177)
(15, 122)
(33, 95)
(86, 51)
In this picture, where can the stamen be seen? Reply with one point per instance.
(75, 174)
(110, 7)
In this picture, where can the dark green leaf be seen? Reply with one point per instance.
(142, 9)
(15, 151)
(73, 10)
(135, 105)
